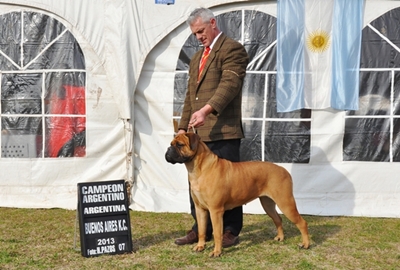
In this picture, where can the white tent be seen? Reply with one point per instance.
(134, 65)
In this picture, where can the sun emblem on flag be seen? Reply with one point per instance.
(318, 41)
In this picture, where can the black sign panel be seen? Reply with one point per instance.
(104, 221)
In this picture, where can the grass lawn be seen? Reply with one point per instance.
(44, 239)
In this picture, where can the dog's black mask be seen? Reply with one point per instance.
(173, 156)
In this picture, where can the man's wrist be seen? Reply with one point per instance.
(207, 109)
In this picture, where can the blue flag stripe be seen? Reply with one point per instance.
(346, 53)
(290, 55)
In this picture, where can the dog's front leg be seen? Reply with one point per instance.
(201, 216)
(218, 227)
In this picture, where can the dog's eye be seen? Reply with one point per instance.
(179, 145)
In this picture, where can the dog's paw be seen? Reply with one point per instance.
(304, 245)
(199, 248)
(279, 238)
(215, 254)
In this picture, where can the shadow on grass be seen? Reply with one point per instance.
(253, 233)
(320, 233)
(155, 239)
(260, 232)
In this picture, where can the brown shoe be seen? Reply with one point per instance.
(189, 238)
(228, 239)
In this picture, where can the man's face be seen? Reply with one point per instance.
(204, 31)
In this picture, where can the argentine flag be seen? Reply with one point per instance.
(318, 54)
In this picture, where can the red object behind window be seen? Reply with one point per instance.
(63, 129)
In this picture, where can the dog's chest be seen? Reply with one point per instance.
(199, 192)
(199, 199)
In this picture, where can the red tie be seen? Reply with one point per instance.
(203, 60)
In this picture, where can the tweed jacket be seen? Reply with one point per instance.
(220, 86)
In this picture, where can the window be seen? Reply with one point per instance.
(269, 136)
(42, 88)
(372, 132)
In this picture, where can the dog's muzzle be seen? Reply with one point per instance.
(168, 155)
(173, 156)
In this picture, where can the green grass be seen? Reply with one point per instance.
(44, 239)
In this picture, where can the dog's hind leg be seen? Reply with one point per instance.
(269, 207)
(289, 209)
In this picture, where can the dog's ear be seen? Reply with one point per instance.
(193, 140)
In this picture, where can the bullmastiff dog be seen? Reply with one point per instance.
(218, 185)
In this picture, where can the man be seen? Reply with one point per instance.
(213, 106)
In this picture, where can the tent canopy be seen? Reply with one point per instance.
(121, 98)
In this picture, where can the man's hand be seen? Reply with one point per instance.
(198, 118)
(181, 131)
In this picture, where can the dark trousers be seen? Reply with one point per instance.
(233, 219)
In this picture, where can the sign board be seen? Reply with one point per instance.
(165, 2)
(104, 222)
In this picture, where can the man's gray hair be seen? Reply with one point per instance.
(204, 13)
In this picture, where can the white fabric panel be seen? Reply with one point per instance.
(52, 182)
(343, 190)
(160, 186)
